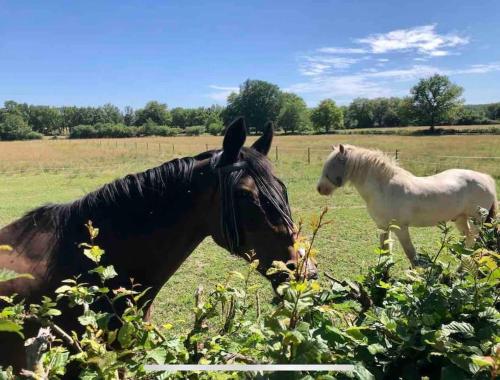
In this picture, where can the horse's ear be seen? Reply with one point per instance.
(342, 149)
(234, 139)
(263, 144)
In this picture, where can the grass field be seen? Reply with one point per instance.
(37, 172)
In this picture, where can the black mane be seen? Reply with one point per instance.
(142, 201)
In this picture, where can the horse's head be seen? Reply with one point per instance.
(253, 203)
(334, 171)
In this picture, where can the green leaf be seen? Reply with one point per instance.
(376, 348)
(94, 253)
(125, 335)
(10, 326)
(159, 355)
(105, 273)
(464, 328)
(7, 274)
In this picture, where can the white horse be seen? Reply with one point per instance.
(395, 196)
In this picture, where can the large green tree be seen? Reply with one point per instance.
(45, 119)
(258, 101)
(436, 99)
(360, 114)
(13, 127)
(327, 116)
(156, 112)
(294, 115)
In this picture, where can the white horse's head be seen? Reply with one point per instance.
(334, 171)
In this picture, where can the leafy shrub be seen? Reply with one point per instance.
(195, 130)
(32, 135)
(159, 130)
(82, 132)
(14, 127)
(216, 128)
(440, 320)
(102, 130)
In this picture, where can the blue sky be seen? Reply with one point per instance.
(191, 53)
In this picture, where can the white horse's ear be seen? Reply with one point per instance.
(342, 149)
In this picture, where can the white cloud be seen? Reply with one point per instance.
(340, 86)
(338, 71)
(373, 83)
(221, 93)
(422, 39)
(337, 50)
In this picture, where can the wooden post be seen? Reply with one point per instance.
(397, 154)
(173, 148)
(206, 146)
(159, 148)
(308, 155)
(276, 152)
(147, 146)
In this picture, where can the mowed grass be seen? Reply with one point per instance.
(34, 173)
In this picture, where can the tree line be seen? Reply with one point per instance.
(432, 101)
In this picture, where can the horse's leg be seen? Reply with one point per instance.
(404, 238)
(384, 237)
(463, 225)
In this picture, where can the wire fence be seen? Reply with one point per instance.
(124, 151)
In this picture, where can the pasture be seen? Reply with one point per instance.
(37, 172)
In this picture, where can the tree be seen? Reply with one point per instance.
(111, 114)
(493, 111)
(258, 101)
(180, 117)
(128, 116)
(45, 119)
(360, 114)
(327, 116)
(436, 99)
(155, 111)
(14, 127)
(294, 115)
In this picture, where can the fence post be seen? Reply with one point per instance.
(276, 152)
(147, 146)
(397, 154)
(206, 146)
(173, 148)
(159, 148)
(308, 155)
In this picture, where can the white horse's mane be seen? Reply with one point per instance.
(361, 160)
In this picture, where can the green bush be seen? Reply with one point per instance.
(82, 132)
(195, 130)
(159, 130)
(215, 129)
(14, 127)
(103, 130)
(32, 135)
(439, 321)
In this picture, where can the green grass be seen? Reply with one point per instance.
(346, 245)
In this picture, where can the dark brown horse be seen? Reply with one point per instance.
(151, 221)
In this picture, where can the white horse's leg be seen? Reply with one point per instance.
(384, 237)
(404, 238)
(465, 228)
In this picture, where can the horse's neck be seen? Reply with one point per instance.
(367, 179)
(152, 257)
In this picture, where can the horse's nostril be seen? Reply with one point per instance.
(313, 275)
(291, 266)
